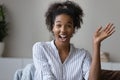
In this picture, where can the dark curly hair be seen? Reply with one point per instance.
(68, 7)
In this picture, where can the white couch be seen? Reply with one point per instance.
(8, 66)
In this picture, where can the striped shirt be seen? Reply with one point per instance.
(49, 66)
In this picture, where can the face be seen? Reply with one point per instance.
(63, 28)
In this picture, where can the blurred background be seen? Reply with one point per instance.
(26, 25)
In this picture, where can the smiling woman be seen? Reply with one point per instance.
(63, 30)
(27, 27)
(59, 58)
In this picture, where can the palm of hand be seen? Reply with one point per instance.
(102, 34)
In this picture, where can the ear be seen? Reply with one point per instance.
(52, 28)
(74, 30)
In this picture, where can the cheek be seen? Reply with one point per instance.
(55, 31)
(72, 31)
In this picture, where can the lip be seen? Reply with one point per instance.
(63, 38)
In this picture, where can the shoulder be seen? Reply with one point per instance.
(84, 54)
(39, 48)
(40, 44)
(82, 51)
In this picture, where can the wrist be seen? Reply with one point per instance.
(96, 42)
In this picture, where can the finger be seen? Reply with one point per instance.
(108, 28)
(109, 24)
(98, 29)
(111, 31)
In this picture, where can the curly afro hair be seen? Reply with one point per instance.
(68, 7)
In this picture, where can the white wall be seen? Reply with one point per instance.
(27, 25)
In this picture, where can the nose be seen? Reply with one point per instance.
(63, 29)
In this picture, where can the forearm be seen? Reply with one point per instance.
(99, 36)
(95, 70)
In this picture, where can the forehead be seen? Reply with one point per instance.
(63, 18)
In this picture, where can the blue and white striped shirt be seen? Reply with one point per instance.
(49, 66)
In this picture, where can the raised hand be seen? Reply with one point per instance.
(99, 35)
(103, 33)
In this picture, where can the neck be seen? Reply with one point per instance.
(63, 47)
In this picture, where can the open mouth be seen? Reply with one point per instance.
(63, 37)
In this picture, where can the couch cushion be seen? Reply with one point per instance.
(110, 74)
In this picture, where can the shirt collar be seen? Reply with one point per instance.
(71, 47)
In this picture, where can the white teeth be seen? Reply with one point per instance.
(63, 35)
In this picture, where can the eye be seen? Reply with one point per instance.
(58, 25)
(70, 26)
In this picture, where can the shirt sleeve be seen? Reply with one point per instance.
(43, 70)
(86, 65)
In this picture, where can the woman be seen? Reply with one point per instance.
(59, 59)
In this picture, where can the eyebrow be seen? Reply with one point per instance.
(60, 21)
